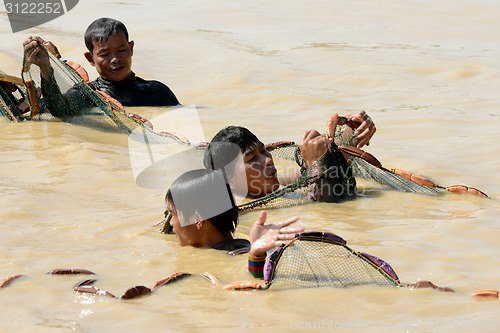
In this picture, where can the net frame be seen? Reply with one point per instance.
(376, 270)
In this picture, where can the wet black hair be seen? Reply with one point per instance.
(205, 193)
(101, 29)
(222, 149)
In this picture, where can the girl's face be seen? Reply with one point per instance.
(188, 235)
(262, 177)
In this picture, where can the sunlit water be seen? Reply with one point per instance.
(427, 72)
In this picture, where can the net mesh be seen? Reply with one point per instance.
(330, 180)
(389, 179)
(300, 191)
(68, 95)
(317, 259)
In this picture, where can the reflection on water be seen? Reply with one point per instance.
(426, 72)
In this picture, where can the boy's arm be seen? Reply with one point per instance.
(36, 55)
(71, 102)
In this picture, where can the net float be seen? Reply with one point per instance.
(361, 154)
(69, 271)
(8, 280)
(93, 290)
(414, 178)
(111, 100)
(486, 293)
(136, 291)
(179, 136)
(242, 285)
(143, 120)
(171, 278)
(462, 189)
(79, 69)
(213, 280)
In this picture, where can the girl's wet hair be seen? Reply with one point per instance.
(204, 193)
(224, 146)
(101, 29)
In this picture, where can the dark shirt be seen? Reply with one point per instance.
(135, 91)
(233, 244)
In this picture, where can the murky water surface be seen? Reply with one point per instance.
(427, 72)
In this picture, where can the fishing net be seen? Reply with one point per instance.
(68, 95)
(333, 177)
(322, 259)
(330, 180)
(342, 159)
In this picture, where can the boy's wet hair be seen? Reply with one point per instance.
(222, 149)
(204, 193)
(101, 29)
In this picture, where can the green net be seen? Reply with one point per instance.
(389, 179)
(68, 96)
(321, 259)
(330, 180)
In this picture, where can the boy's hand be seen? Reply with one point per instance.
(364, 128)
(266, 237)
(36, 55)
(312, 146)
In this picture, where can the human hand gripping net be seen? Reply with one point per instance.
(368, 167)
(68, 95)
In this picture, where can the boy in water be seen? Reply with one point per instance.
(110, 52)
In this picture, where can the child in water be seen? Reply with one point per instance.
(204, 214)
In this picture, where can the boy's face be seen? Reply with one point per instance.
(112, 58)
(187, 235)
(262, 177)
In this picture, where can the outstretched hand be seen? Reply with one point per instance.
(266, 237)
(364, 128)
